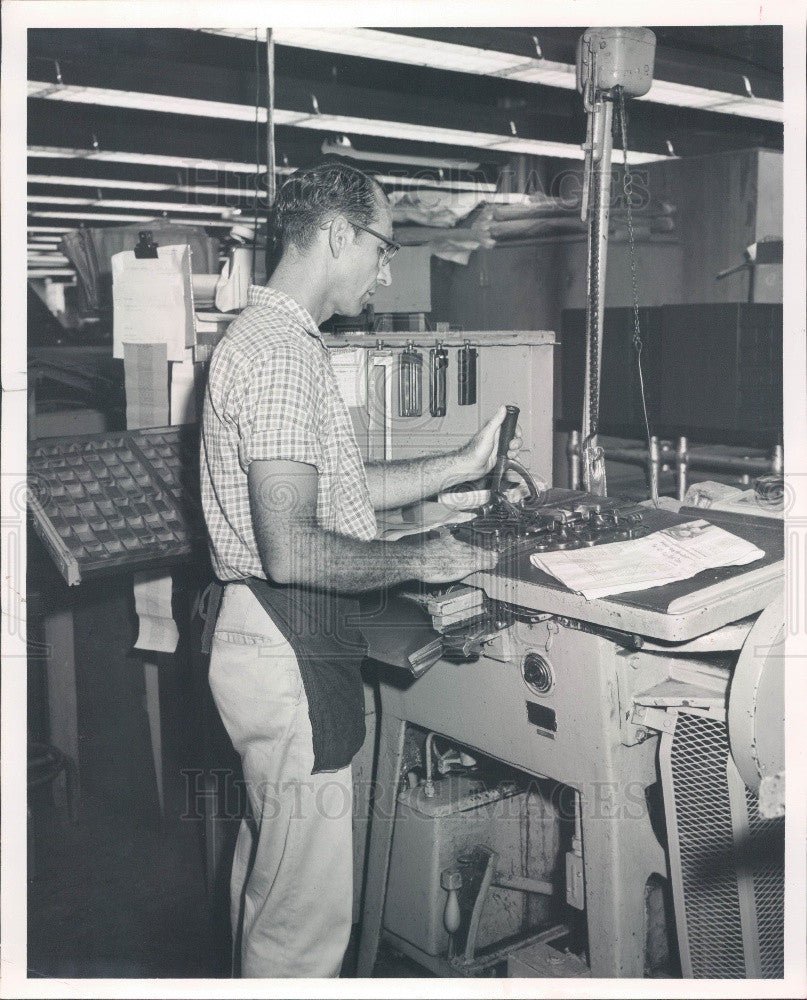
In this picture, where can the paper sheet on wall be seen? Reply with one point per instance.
(153, 301)
(677, 553)
(350, 368)
(158, 630)
(183, 390)
(145, 374)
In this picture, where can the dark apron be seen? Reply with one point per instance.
(319, 627)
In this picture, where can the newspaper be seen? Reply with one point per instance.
(676, 553)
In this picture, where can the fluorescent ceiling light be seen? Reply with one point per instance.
(757, 108)
(52, 272)
(346, 149)
(683, 95)
(96, 182)
(147, 159)
(389, 180)
(160, 206)
(247, 193)
(48, 229)
(98, 216)
(372, 44)
(59, 180)
(112, 217)
(143, 101)
(58, 200)
(323, 122)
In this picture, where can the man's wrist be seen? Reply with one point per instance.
(409, 556)
(459, 468)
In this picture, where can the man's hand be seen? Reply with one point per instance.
(480, 452)
(445, 559)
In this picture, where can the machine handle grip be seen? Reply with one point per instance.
(506, 433)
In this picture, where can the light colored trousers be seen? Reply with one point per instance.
(292, 877)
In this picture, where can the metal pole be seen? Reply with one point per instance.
(653, 459)
(270, 118)
(778, 460)
(681, 463)
(573, 454)
(703, 459)
(602, 144)
(604, 181)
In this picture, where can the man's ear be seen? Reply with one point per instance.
(340, 233)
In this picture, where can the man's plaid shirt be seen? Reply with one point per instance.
(272, 394)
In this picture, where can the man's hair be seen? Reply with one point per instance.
(309, 196)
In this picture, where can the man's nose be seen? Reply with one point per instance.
(384, 274)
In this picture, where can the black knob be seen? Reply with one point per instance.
(537, 673)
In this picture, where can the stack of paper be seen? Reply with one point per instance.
(676, 553)
(152, 301)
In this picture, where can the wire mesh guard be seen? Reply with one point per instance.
(732, 873)
(769, 887)
(105, 501)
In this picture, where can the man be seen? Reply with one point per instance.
(290, 511)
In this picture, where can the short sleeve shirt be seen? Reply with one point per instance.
(272, 394)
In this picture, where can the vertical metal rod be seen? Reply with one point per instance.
(573, 454)
(654, 461)
(777, 460)
(593, 461)
(270, 118)
(681, 458)
(601, 167)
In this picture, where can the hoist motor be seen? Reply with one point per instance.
(615, 57)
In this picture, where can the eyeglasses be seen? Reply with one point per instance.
(386, 252)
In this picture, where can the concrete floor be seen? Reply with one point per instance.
(116, 899)
(122, 892)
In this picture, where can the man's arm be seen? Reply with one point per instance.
(295, 550)
(405, 481)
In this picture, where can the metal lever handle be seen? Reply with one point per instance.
(506, 433)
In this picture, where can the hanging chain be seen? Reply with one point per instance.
(627, 187)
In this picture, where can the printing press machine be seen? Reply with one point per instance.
(606, 699)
